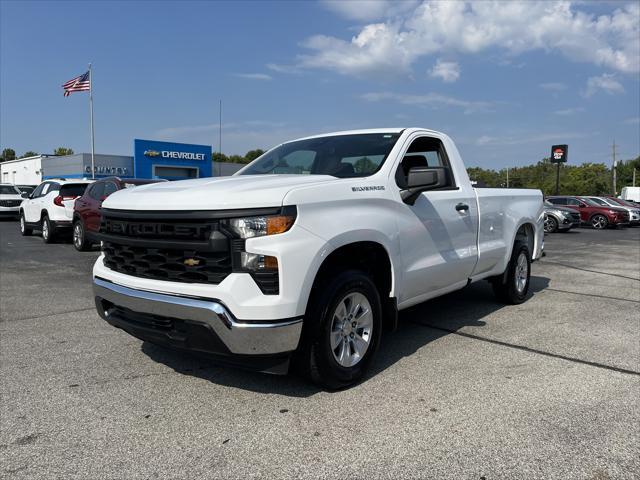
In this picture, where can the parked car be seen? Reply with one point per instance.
(26, 188)
(86, 210)
(10, 200)
(598, 216)
(49, 208)
(558, 218)
(634, 212)
(309, 250)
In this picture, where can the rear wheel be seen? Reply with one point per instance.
(345, 327)
(48, 230)
(550, 224)
(513, 286)
(599, 222)
(79, 238)
(24, 230)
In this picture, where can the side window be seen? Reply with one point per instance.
(109, 188)
(423, 152)
(573, 202)
(36, 193)
(97, 190)
(45, 189)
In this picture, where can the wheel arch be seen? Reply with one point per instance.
(368, 256)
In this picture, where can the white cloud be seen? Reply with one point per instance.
(530, 138)
(606, 83)
(569, 111)
(368, 10)
(254, 76)
(434, 27)
(554, 86)
(632, 121)
(429, 99)
(447, 71)
(292, 69)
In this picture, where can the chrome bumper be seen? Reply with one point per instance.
(239, 337)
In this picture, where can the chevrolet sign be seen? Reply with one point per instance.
(179, 155)
(151, 153)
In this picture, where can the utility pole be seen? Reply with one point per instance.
(220, 139)
(634, 177)
(615, 179)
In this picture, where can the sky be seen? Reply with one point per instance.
(504, 80)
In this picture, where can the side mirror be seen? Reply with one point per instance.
(582, 205)
(25, 195)
(103, 198)
(421, 179)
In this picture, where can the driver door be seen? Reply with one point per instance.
(438, 233)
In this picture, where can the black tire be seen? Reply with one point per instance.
(48, 230)
(316, 357)
(79, 239)
(550, 224)
(506, 287)
(599, 221)
(24, 230)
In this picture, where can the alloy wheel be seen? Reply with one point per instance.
(77, 235)
(45, 229)
(22, 225)
(599, 222)
(522, 272)
(351, 328)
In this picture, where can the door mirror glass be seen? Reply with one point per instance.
(25, 195)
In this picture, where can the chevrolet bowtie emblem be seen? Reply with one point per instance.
(191, 262)
(151, 153)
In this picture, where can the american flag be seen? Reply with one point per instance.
(78, 84)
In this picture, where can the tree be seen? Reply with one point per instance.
(219, 157)
(63, 151)
(29, 153)
(251, 155)
(365, 166)
(8, 154)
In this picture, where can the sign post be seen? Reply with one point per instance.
(559, 155)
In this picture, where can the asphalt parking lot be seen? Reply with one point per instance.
(466, 388)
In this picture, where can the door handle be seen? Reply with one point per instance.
(462, 207)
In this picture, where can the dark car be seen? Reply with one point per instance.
(559, 219)
(86, 210)
(26, 188)
(591, 213)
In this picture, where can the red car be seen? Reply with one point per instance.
(86, 210)
(597, 216)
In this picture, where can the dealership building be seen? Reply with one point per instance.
(151, 159)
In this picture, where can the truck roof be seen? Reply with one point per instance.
(365, 131)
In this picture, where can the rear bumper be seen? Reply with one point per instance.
(189, 323)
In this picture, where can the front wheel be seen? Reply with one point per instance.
(79, 238)
(24, 230)
(550, 224)
(345, 327)
(513, 286)
(599, 222)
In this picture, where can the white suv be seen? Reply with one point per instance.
(10, 200)
(49, 208)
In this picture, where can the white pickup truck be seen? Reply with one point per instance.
(305, 256)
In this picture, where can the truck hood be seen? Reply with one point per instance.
(242, 191)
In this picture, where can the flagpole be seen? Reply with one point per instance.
(93, 148)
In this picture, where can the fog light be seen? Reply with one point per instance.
(255, 261)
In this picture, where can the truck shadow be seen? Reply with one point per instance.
(418, 326)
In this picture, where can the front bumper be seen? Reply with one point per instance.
(191, 323)
(10, 211)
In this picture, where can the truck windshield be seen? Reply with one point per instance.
(340, 156)
(9, 190)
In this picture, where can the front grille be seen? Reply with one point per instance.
(10, 203)
(177, 247)
(188, 266)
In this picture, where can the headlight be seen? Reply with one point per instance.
(249, 227)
